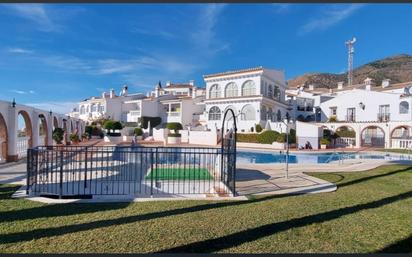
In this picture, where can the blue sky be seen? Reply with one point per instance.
(52, 56)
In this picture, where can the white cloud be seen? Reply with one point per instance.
(281, 8)
(56, 107)
(18, 50)
(36, 13)
(205, 37)
(22, 92)
(329, 17)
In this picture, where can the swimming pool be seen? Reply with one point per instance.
(313, 158)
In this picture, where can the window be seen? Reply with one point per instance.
(403, 107)
(333, 111)
(94, 108)
(270, 93)
(214, 113)
(276, 93)
(248, 112)
(270, 115)
(214, 91)
(231, 90)
(248, 88)
(101, 108)
(279, 115)
(82, 109)
(263, 113)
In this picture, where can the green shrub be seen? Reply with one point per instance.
(247, 137)
(346, 133)
(281, 138)
(258, 128)
(176, 126)
(292, 136)
(267, 137)
(89, 129)
(74, 138)
(174, 135)
(324, 141)
(154, 121)
(138, 132)
(111, 125)
(333, 119)
(57, 135)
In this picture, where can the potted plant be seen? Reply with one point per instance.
(74, 138)
(324, 142)
(112, 136)
(174, 138)
(58, 135)
(138, 132)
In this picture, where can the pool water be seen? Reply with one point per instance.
(313, 158)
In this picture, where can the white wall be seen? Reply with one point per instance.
(371, 100)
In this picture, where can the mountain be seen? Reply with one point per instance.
(397, 68)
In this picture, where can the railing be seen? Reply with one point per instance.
(22, 146)
(173, 114)
(350, 118)
(134, 113)
(345, 141)
(72, 171)
(384, 117)
(401, 143)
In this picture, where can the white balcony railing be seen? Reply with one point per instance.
(134, 113)
(401, 143)
(22, 146)
(173, 114)
(345, 141)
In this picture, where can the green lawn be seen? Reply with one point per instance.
(370, 212)
(179, 174)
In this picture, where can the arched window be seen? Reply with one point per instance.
(270, 92)
(248, 88)
(248, 112)
(214, 91)
(276, 93)
(214, 113)
(270, 115)
(231, 90)
(82, 109)
(263, 113)
(231, 107)
(403, 107)
(279, 116)
(88, 109)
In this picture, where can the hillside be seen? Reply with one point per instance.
(396, 68)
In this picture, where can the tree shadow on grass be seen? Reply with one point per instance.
(7, 191)
(402, 246)
(249, 235)
(352, 182)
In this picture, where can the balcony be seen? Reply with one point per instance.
(350, 118)
(173, 114)
(383, 117)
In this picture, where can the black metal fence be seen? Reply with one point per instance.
(80, 171)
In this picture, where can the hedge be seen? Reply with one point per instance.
(176, 126)
(267, 137)
(138, 132)
(247, 137)
(281, 138)
(154, 121)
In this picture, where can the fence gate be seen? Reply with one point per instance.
(228, 167)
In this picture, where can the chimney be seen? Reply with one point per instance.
(112, 93)
(104, 95)
(125, 90)
(311, 87)
(340, 85)
(369, 82)
(192, 83)
(168, 83)
(386, 83)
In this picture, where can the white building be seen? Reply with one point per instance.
(109, 105)
(256, 95)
